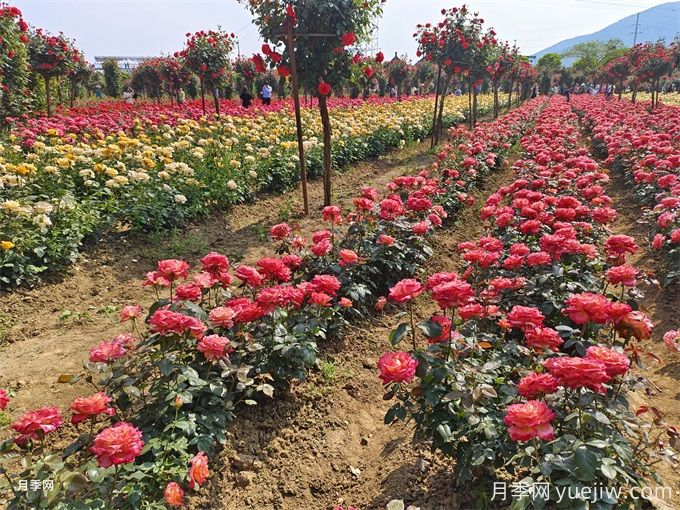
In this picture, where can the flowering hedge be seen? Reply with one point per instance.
(644, 147)
(523, 373)
(216, 341)
(72, 183)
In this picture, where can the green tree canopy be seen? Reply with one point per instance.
(592, 55)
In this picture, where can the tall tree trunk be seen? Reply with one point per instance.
(634, 96)
(495, 101)
(441, 107)
(73, 93)
(436, 101)
(202, 96)
(48, 96)
(474, 107)
(326, 123)
(216, 100)
(469, 105)
(512, 85)
(60, 99)
(620, 90)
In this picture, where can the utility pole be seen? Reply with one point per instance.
(637, 22)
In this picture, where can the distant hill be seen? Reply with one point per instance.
(659, 22)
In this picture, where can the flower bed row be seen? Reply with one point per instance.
(645, 147)
(62, 190)
(522, 375)
(216, 341)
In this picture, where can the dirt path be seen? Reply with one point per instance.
(48, 331)
(326, 444)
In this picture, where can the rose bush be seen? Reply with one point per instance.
(218, 339)
(643, 147)
(532, 381)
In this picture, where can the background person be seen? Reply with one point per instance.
(266, 94)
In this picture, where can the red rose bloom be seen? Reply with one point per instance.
(453, 294)
(618, 245)
(166, 322)
(525, 317)
(107, 351)
(543, 338)
(535, 385)
(588, 307)
(325, 283)
(637, 324)
(616, 363)
(405, 290)
(324, 88)
(445, 325)
(87, 407)
(348, 39)
(174, 495)
(222, 316)
(530, 420)
(213, 346)
(348, 257)
(116, 445)
(397, 367)
(578, 372)
(37, 424)
(215, 264)
(198, 471)
(4, 400)
(281, 231)
(172, 269)
(625, 275)
(249, 275)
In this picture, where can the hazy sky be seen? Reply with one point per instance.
(152, 27)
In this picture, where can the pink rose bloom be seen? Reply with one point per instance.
(281, 231)
(130, 312)
(588, 307)
(4, 400)
(625, 275)
(119, 444)
(322, 248)
(36, 424)
(173, 269)
(405, 290)
(578, 372)
(616, 363)
(525, 317)
(385, 239)
(213, 346)
(215, 264)
(107, 351)
(541, 338)
(670, 338)
(345, 302)
(249, 275)
(421, 228)
(222, 316)
(86, 407)
(347, 257)
(530, 420)
(397, 367)
(535, 385)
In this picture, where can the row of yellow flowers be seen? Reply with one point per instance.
(68, 185)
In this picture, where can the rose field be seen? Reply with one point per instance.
(393, 286)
